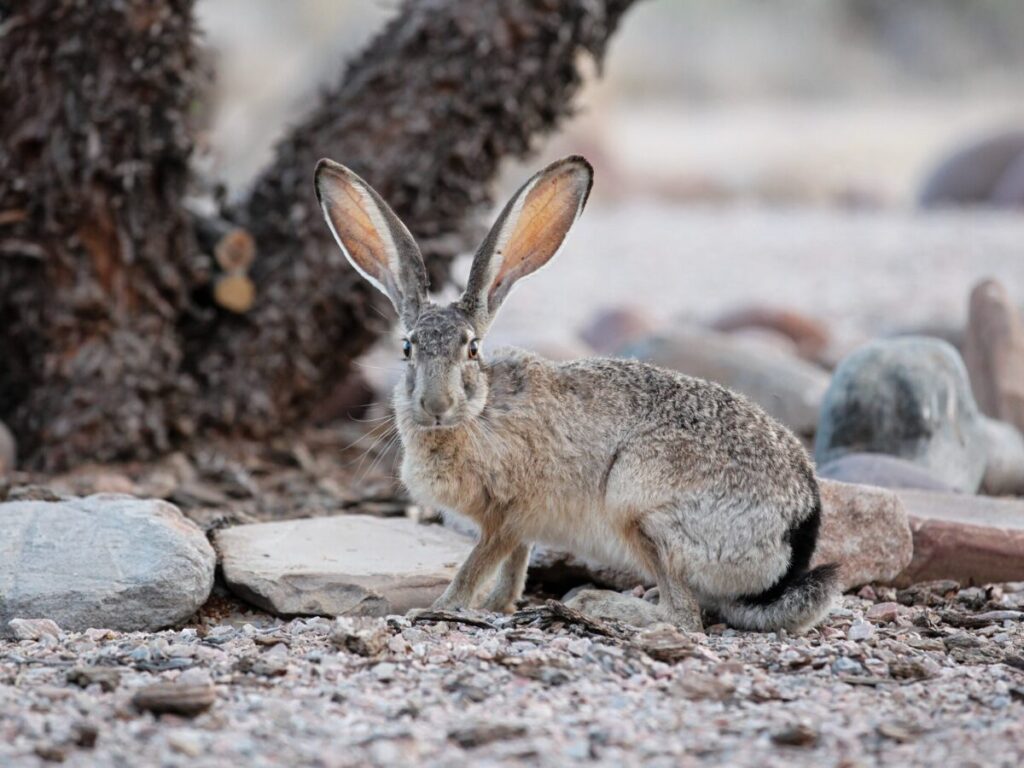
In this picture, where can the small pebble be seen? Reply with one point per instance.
(385, 671)
(860, 630)
(883, 612)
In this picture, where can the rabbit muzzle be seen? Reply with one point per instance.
(437, 397)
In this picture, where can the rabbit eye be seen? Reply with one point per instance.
(474, 349)
(406, 349)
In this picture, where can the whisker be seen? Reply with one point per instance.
(370, 421)
(368, 434)
(397, 367)
(360, 461)
(381, 454)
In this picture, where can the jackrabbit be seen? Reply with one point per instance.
(613, 460)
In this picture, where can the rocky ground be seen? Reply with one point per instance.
(927, 676)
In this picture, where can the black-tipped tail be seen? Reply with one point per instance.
(801, 602)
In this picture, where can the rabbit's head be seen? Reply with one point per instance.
(445, 381)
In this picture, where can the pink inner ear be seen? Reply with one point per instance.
(544, 220)
(349, 210)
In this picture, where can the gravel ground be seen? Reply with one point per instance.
(928, 676)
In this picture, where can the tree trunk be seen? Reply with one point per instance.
(95, 246)
(113, 345)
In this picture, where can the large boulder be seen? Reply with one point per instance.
(865, 530)
(787, 387)
(349, 565)
(906, 397)
(104, 561)
(971, 539)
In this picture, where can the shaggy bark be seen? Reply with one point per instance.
(112, 344)
(95, 246)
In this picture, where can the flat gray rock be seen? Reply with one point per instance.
(104, 561)
(348, 565)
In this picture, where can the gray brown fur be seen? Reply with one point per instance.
(613, 460)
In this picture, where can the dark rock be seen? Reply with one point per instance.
(799, 735)
(479, 734)
(363, 637)
(182, 697)
(108, 678)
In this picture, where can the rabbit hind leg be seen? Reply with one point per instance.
(675, 598)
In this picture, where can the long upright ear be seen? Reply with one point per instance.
(527, 234)
(372, 238)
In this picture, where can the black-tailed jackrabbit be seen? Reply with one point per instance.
(613, 460)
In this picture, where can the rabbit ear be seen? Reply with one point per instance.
(527, 234)
(372, 238)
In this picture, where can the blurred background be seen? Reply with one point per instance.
(746, 153)
(785, 180)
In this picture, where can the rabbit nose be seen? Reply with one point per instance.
(436, 403)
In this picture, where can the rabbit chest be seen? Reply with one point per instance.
(534, 478)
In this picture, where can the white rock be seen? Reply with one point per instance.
(860, 630)
(349, 565)
(34, 629)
